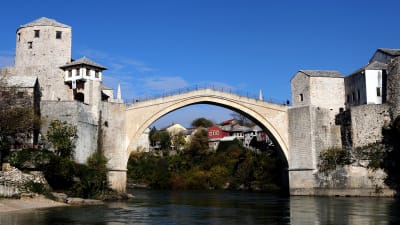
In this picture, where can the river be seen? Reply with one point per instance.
(204, 207)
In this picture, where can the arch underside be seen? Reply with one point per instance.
(241, 107)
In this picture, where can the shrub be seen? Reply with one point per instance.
(59, 172)
(92, 182)
(29, 158)
(37, 187)
(330, 158)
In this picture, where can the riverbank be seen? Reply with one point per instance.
(38, 202)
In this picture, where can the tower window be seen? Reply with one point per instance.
(37, 33)
(378, 91)
(69, 73)
(19, 36)
(29, 44)
(87, 72)
(97, 74)
(78, 71)
(301, 98)
(58, 34)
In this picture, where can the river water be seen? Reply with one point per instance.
(201, 207)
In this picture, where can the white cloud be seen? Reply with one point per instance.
(164, 83)
(118, 64)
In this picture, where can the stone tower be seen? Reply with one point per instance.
(317, 96)
(42, 46)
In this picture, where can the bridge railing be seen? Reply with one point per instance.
(179, 91)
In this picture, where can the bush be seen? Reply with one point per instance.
(330, 158)
(30, 158)
(38, 188)
(60, 172)
(92, 178)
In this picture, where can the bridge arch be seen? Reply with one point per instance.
(125, 124)
(271, 117)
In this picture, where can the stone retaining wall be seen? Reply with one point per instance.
(13, 182)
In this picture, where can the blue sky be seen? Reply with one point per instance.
(153, 47)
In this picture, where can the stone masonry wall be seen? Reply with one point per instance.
(393, 87)
(367, 122)
(114, 143)
(13, 182)
(311, 130)
(77, 114)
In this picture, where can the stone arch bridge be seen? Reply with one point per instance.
(123, 124)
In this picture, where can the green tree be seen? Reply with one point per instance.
(153, 136)
(62, 135)
(160, 137)
(199, 142)
(202, 122)
(179, 141)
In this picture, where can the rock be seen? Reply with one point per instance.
(59, 197)
(81, 201)
(75, 201)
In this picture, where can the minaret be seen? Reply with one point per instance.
(119, 95)
(260, 95)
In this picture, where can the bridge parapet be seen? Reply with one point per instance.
(203, 87)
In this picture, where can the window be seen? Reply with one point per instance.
(348, 98)
(69, 73)
(58, 34)
(78, 72)
(30, 44)
(87, 72)
(37, 33)
(358, 95)
(20, 94)
(301, 98)
(379, 91)
(97, 74)
(19, 36)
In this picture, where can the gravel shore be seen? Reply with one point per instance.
(9, 205)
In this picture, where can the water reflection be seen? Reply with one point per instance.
(162, 207)
(325, 210)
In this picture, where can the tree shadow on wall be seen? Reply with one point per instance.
(391, 161)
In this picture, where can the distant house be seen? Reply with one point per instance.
(251, 133)
(215, 135)
(216, 132)
(367, 85)
(237, 131)
(175, 130)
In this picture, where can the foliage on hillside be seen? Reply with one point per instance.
(230, 167)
